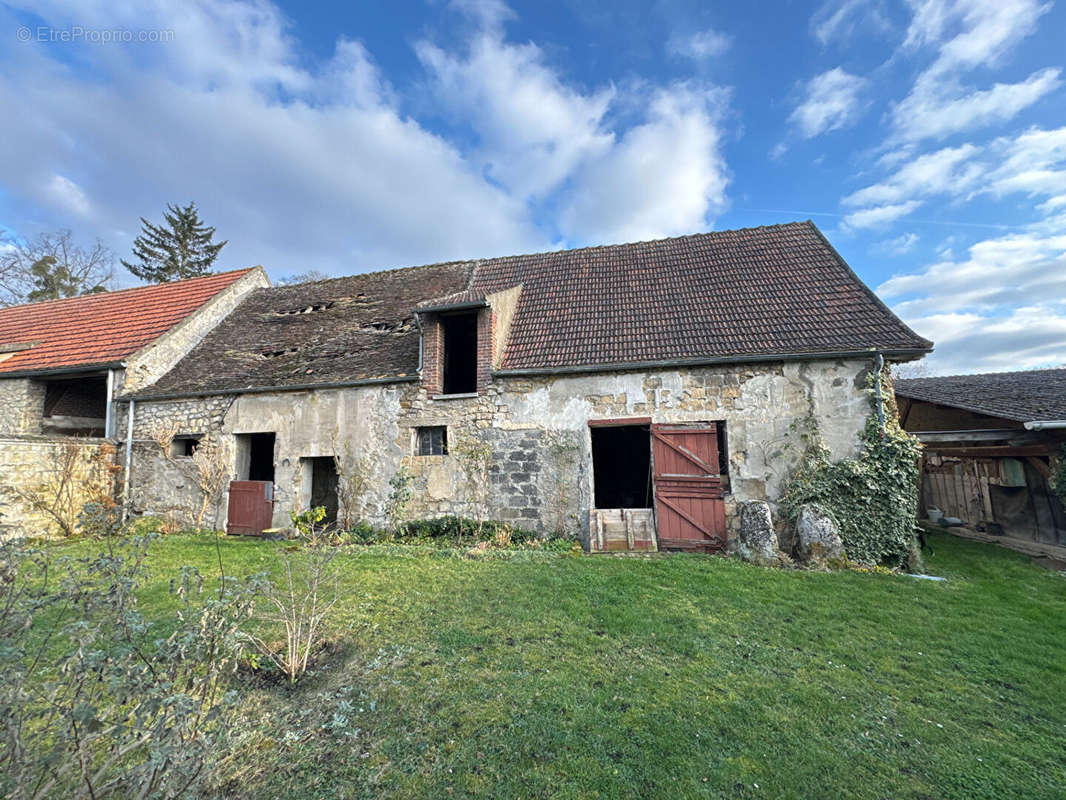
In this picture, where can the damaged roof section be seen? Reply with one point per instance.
(342, 330)
(1036, 395)
(769, 292)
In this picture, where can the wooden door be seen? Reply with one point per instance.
(251, 506)
(689, 509)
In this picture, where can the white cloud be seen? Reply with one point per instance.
(701, 45)
(1011, 270)
(970, 33)
(935, 109)
(945, 171)
(901, 245)
(831, 100)
(665, 177)
(1024, 338)
(303, 165)
(67, 196)
(837, 20)
(533, 129)
(966, 35)
(880, 216)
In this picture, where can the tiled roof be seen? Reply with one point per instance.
(330, 331)
(467, 297)
(774, 290)
(100, 328)
(759, 292)
(1028, 396)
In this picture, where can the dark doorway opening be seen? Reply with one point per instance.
(621, 464)
(255, 457)
(323, 486)
(460, 352)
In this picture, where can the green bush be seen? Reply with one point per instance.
(873, 498)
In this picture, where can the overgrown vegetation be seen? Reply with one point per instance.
(685, 677)
(301, 600)
(77, 475)
(95, 703)
(873, 498)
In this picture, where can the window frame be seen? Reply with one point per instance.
(428, 438)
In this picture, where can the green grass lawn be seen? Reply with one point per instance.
(679, 676)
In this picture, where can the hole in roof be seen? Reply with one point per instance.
(278, 353)
(307, 309)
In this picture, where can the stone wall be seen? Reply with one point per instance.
(539, 474)
(21, 405)
(151, 362)
(34, 465)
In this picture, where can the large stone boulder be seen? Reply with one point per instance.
(757, 539)
(818, 540)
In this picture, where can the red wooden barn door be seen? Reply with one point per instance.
(689, 510)
(251, 506)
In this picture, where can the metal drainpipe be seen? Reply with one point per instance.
(109, 408)
(880, 361)
(418, 322)
(129, 462)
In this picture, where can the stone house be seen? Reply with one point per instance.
(62, 363)
(990, 443)
(633, 394)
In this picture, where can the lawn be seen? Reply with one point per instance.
(676, 676)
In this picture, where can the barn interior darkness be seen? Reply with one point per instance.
(460, 352)
(621, 464)
(260, 456)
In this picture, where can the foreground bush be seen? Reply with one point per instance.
(96, 703)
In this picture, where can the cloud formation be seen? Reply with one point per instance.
(306, 164)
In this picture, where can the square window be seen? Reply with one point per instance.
(184, 446)
(431, 440)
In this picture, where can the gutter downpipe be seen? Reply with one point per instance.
(880, 361)
(1046, 425)
(418, 322)
(109, 408)
(129, 462)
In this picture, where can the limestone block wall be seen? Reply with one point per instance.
(33, 464)
(21, 405)
(539, 474)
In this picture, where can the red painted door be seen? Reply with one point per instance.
(251, 506)
(689, 509)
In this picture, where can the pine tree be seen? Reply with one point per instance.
(179, 248)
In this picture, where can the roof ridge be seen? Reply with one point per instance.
(477, 262)
(113, 292)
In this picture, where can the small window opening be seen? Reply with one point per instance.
(621, 464)
(431, 440)
(184, 446)
(459, 333)
(321, 472)
(255, 457)
(76, 406)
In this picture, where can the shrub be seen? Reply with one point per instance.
(93, 704)
(301, 601)
(873, 498)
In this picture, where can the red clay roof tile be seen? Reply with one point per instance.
(100, 328)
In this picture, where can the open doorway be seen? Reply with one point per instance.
(320, 485)
(255, 457)
(621, 466)
(460, 352)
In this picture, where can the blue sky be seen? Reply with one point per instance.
(926, 138)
